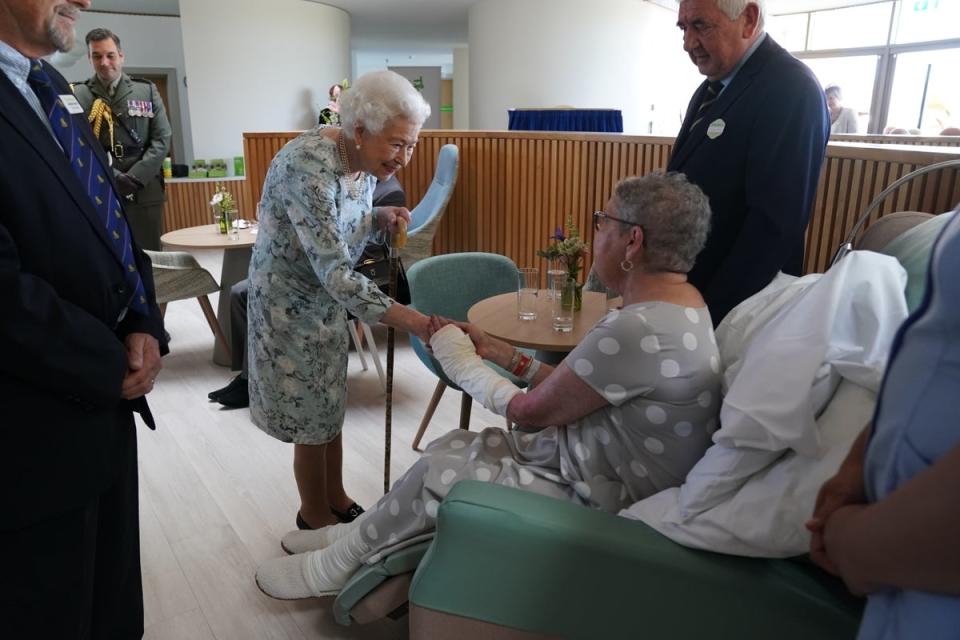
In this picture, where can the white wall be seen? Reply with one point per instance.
(367, 60)
(461, 88)
(259, 66)
(619, 54)
(149, 42)
(430, 77)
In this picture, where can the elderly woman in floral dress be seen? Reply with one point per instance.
(315, 218)
(625, 415)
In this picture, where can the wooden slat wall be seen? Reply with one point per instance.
(935, 141)
(514, 188)
(854, 174)
(188, 203)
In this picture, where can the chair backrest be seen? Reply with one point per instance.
(425, 217)
(449, 284)
(890, 226)
(438, 194)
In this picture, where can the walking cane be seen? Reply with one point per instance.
(397, 241)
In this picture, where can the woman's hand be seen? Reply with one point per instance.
(387, 217)
(480, 339)
(437, 323)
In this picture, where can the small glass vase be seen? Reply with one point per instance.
(225, 221)
(577, 296)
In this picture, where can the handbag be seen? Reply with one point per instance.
(374, 264)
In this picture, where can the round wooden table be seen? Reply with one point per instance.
(498, 317)
(236, 261)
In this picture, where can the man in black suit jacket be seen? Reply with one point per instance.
(753, 139)
(77, 360)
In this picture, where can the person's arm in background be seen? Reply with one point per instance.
(786, 152)
(907, 540)
(389, 194)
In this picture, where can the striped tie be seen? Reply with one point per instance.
(91, 174)
(709, 97)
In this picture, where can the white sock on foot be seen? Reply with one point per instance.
(316, 539)
(327, 570)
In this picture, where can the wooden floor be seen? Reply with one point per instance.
(217, 493)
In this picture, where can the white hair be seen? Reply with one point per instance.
(380, 96)
(733, 9)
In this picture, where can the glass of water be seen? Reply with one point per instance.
(554, 270)
(528, 285)
(562, 303)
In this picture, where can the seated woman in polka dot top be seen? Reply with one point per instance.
(625, 415)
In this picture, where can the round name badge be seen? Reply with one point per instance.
(715, 130)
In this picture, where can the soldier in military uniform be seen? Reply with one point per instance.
(128, 117)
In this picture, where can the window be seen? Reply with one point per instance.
(927, 20)
(926, 94)
(861, 26)
(854, 75)
(790, 31)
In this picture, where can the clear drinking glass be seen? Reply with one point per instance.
(555, 270)
(562, 304)
(528, 285)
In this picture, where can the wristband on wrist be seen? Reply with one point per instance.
(521, 367)
(531, 370)
(514, 361)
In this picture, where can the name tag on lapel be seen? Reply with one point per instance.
(715, 130)
(70, 103)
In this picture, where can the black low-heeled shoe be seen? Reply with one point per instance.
(302, 524)
(352, 513)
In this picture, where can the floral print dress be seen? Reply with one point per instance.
(314, 223)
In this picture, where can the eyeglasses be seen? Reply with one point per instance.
(599, 216)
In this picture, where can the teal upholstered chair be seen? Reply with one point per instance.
(425, 217)
(448, 285)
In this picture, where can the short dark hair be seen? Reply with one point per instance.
(98, 34)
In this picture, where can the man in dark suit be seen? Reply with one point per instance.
(753, 139)
(81, 340)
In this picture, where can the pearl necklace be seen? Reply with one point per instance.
(354, 184)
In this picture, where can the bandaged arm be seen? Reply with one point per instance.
(458, 357)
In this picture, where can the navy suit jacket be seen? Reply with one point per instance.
(760, 173)
(62, 357)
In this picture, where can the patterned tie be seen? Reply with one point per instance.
(709, 97)
(91, 174)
